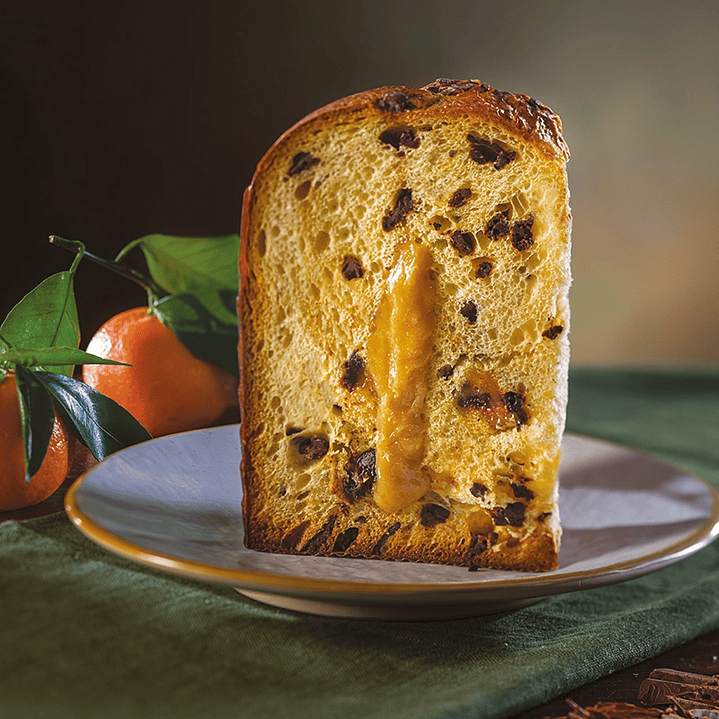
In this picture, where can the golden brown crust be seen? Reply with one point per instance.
(519, 114)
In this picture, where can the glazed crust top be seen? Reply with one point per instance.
(518, 114)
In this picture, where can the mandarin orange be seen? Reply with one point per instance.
(167, 389)
(15, 492)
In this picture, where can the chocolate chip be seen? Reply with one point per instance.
(344, 540)
(445, 86)
(398, 136)
(484, 151)
(293, 539)
(402, 206)
(313, 447)
(446, 371)
(498, 226)
(433, 514)
(475, 400)
(315, 544)
(522, 238)
(484, 269)
(521, 491)
(459, 197)
(515, 403)
(478, 544)
(360, 475)
(353, 371)
(302, 161)
(463, 242)
(478, 490)
(553, 332)
(380, 546)
(512, 514)
(352, 268)
(394, 101)
(469, 311)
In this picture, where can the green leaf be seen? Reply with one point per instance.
(199, 329)
(46, 316)
(52, 357)
(36, 418)
(185, 264)
(101, 424)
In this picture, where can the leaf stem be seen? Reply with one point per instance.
(147, 283)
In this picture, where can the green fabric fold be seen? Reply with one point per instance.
(85, 633)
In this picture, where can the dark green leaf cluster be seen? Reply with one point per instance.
(42, 331)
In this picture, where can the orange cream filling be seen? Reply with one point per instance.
(399, 351)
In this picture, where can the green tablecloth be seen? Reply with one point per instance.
(84, 633)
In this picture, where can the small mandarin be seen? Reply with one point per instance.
(167, 389)
(15, 492)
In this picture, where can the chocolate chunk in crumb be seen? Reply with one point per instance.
(512, 514)
(463, 242)
(460, 197)
(345, 539)
(553, 332)
(446, 371)
(381, 543)
(402, 206)
(478, 490)
(360, 475)
(475, 400)
(522, 238)
(352, 268)
(293, 540)
(515, 403)
(315, 544)
(400, 137)
(313, 447)
(395, 101)
(433, 514)
(469, 312)
(521, 491)
(302, 161)
(484, 269)
(497, 226)
(484, 151)
(353, 371)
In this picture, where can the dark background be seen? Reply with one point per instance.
(123, 119)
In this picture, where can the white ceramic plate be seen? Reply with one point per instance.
(174, 504)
